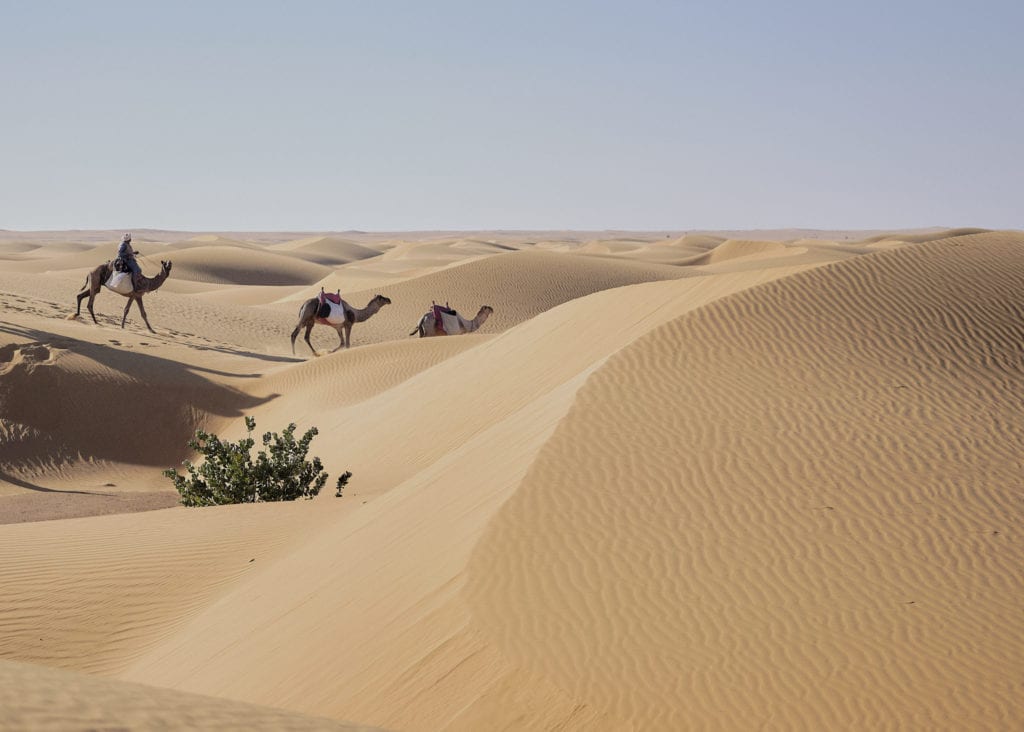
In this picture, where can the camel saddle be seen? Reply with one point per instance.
(329, 310)
(446, 320)
(120, 282)
(122, 279)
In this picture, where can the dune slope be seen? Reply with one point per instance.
(394, 569)
(43, 699)
(793, 507)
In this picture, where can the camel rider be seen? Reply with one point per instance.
(127, 256)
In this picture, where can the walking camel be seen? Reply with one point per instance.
(308, 318)
(99, 276)
(427, 327)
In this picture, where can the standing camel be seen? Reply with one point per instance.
(308, 318)
(427, 326)
(98, 278)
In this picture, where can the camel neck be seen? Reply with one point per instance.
(363, 314)
(152, 283)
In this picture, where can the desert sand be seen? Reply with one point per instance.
(678, 480)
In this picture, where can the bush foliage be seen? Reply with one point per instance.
(342, 482)
(229, 474)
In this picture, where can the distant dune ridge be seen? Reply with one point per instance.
(724, 480)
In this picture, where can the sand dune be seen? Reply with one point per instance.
(518, 285)
(723, 479)
(330, 251)
(87, 383)
(112, 586)
(224, 265)
(460, 461)
(41, 698)
(737, 248)
(349, 377)
(214, 240)
(81, 259)
(811, 483)
(39, 250)
(921, 237)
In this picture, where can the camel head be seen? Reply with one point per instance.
(380, 300)
(165, 266)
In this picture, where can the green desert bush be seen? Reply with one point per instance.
(342, 482)
(229, 474)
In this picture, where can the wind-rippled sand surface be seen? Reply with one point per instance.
(724, 480)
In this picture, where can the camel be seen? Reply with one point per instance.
(307, 319)
(98, 278)
(427, 326)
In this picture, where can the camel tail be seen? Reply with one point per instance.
(85, 286)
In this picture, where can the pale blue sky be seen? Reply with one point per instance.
(514, 115)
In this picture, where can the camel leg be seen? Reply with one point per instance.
(81, 296)
(87, 291)
(92, 296)
(126, 308)
(309, 329)
(348, 333)
(142, 309)
(294, 334)
(341, 337)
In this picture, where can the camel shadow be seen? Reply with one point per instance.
(170, 335)
(8, 478)
(248, 354)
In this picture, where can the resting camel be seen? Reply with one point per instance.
(427, 326)
(99, 276)
(307, 319)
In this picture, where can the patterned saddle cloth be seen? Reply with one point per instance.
(447, 321)
(330, 311)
